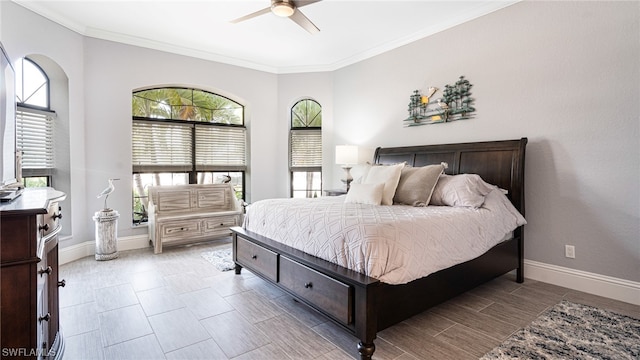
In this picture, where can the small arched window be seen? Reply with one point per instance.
(32, 85)
(305, 149)
(35, 122)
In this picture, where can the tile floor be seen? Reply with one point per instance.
(176, 305)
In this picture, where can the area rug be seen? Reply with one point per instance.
(221, 259)
(573, 331)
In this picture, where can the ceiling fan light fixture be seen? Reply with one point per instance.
(282, 8)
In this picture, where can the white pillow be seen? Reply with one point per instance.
(365, 194)
(359, 172)
(467, 190)
(387, 174)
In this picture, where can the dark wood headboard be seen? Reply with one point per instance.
(498, 162)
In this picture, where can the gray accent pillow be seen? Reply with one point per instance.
(465, 190)
(416, 184)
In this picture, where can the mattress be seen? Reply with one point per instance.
(394, 244)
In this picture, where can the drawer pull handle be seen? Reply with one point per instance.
(57, 216)
(47, 271)
(254, 257)
(308, 285)
(62, 283)
(44, 227)
(44, 318)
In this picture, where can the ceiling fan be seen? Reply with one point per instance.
(286, 8)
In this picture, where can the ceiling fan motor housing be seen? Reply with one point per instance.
(283, 8)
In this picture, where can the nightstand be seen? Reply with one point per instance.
(335, 192)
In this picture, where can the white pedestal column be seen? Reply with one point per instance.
(106, 234)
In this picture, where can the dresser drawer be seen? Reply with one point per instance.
(49, 222)
(257, 258)
(179, 229)
(331, 296)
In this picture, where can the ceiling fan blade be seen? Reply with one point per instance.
(299, 18)
(301, 3)
(252, 15)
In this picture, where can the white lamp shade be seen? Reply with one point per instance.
(346, 154)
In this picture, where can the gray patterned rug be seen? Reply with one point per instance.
(221, 259)
(573, 331)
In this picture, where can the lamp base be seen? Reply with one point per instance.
(348, 178)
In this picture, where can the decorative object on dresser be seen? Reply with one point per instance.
(347, 155)
(180, 214)
(455, 104)
(106, 227)
(364, 305)
(29, 315)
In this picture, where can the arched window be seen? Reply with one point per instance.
(35, 123)
(305, 149)
(185, 136)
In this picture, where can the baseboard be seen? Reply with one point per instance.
(601, 285)
(88, 248)
(75, 252)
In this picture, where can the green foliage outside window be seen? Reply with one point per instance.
(186, 104)
(35, 181)
(306, 113)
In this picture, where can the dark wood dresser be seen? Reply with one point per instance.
(29, 312)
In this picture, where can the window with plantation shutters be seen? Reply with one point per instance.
(161, 146)
(220, 148)
(305, 149)
(185, 136)
(34, 137)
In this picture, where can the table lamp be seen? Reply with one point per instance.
(347, 155)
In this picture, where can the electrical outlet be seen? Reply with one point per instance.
(570, 251)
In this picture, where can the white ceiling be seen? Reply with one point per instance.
(350, 31)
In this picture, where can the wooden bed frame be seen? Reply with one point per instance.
(363, 305)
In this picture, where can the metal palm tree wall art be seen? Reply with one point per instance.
(456, 103)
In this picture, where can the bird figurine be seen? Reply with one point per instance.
(106, 192)
(443, 105)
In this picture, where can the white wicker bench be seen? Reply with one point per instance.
(183, 214)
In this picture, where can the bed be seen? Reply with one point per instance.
(364, 305)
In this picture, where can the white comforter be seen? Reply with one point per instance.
(395, 244)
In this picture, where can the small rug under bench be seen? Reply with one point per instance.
(573, 331)
(220, 258)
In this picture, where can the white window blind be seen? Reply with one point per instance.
(306, 149)
(34, 137)
(220, 148)
(161, 146)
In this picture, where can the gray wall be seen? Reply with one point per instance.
(565, 75)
